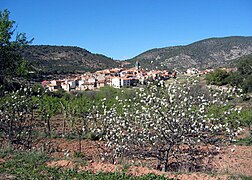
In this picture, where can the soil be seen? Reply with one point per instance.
(230, 160)
(234, 160)
(59, 148)
(132, 170)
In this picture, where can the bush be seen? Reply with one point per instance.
(246, 118)
(247, 84)
(217, 77)
(93, 136)
(242, 78)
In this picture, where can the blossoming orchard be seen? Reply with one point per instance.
(178, 125)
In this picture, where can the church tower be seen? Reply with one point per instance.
(137, 65)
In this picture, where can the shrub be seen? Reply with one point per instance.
(93, 136)
(217, 77)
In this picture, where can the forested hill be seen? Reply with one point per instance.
(65, 59)
(208, 53)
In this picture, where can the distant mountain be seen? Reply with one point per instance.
(208, 53)
(65, 59)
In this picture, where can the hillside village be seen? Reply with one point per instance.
(116, 77)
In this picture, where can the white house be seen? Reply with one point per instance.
(80, 84)
(57, 82)
(192, 71)
(91, 80)
(89, 86)
(125, 82)
(65, 86)
(72, 84)
(53, 88)
(116, 82)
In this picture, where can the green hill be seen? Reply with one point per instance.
(65, 59)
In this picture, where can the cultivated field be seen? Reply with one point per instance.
(182, 130)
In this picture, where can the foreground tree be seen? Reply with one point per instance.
(178, 125)
(17, 118)
(11, 63)
(17, 104)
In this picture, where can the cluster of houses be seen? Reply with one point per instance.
(195, 71)
(117, 78)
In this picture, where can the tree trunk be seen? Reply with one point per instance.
(158, 167)
(79, 135)
(45, 128)
(63, 110)
(49, 127)
(250, 129)
(64, 127)
(10, 128)
(165, 168)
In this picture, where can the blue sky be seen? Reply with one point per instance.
(122, 29)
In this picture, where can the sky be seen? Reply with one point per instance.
(122, 29)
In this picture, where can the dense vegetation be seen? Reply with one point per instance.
(208, 53)
(65, 59)
(242, 78)
(12, 66)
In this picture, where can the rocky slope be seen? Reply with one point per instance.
(208, 53)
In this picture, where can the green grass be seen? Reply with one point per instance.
(6, 151)
(24, 165)
(244, 141)
(241, 177)
(78, 154)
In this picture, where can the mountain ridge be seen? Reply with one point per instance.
(207, 53)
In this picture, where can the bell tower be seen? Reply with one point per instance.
(137, 65)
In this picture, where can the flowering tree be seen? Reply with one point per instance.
(17, 117)
(173, 124)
